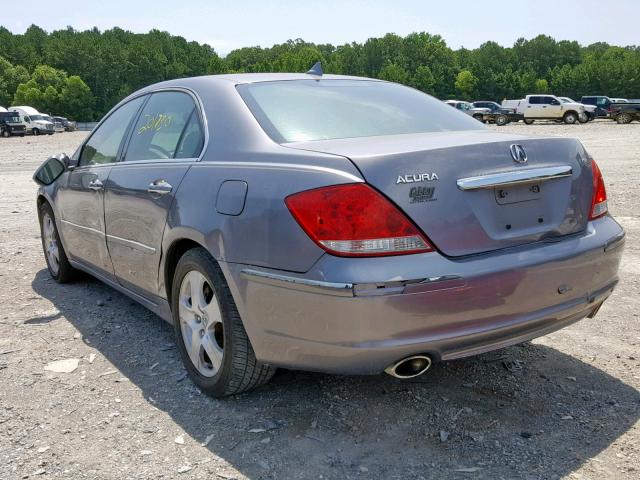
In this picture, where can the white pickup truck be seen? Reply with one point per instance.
(546, 107)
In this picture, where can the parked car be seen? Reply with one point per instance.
(68, 125)
(58, 127)
(601, 103)
(625, 113)
(10, 124)
(466, 107)
(33, 120)
(549, 107)
(497, 114)
(328, 223)
(589, 110)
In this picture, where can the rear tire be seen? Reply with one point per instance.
(57, 262)
(624, 118)
(528, 121)
(6, 133)
(570, 118)
(502, 120)
(213, 343)
(35, 131)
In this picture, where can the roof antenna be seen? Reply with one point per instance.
(316, 69)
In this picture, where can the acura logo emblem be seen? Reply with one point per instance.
(518, 154)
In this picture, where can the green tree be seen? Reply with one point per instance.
(394, 73)
(424, 80)
(541, 86)
(465, 84)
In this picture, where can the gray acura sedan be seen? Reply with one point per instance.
(328, 223)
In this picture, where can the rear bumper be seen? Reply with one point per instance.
(361, 315)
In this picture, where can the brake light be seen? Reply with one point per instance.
(599, 199)
(354, 220)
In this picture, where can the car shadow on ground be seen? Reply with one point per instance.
(528, 411)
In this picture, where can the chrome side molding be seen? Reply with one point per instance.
(353, 289)
(515, 177)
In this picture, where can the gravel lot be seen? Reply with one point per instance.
(564, 406)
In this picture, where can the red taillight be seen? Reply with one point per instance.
(599, 199)
(355, 220)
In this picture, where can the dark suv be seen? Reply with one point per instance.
(10, 124)
(602, 104)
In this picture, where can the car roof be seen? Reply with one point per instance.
(244, 78)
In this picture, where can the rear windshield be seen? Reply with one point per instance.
(306, 110)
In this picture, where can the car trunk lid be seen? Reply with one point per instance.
(468, 192)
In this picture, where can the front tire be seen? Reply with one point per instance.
(570, 118)
(57, 262)
(36, 131)
(528, 121)
(209, 332)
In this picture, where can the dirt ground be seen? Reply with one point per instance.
(564, 406)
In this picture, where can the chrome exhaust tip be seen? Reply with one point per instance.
(409, 367)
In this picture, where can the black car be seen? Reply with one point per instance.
(10, 124)
(625, 112)
(498, 115)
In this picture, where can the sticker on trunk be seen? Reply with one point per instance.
(421, 194)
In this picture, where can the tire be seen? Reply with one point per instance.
(570, 118)
(528, 121)
(35, 131)
(502, 120)
(6, 133)
(624, 118)
(61, 271)
(584, 118)
(231, 368)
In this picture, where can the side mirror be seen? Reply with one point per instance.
(52, 168)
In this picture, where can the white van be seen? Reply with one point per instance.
(33, 120)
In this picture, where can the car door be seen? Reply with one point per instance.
(165, 140)
(552, 107)
(534, 108)
(80, 198)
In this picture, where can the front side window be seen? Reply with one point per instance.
(307, 110)
(168, 127)
(103, 145)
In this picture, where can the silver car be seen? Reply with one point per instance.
(328, 223)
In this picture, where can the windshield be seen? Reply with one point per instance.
(36, 117)
(10, 117)
(306, 110)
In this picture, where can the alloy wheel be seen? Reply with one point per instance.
(201, 323)
(50, 243)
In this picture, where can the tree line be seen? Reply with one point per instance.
(81, 75)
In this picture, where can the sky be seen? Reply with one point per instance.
(227, 25)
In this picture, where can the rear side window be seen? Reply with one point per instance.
(168, 127)
(305, 110)
(535, 100)
(104, 143)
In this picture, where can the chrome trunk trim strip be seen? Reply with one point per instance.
(515, 177)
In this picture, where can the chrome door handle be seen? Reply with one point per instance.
(159, 187)
(96, 184)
